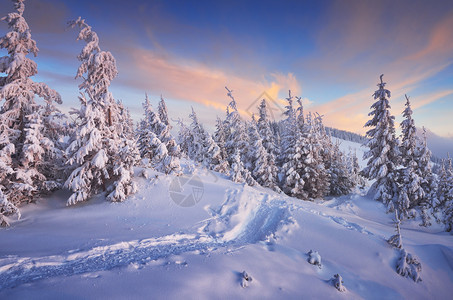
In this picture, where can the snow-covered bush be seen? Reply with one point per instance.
(337, 282)
(314, 258)
(408, 266)
(245, 279)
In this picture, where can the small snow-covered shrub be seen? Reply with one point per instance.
(337, 282)
(314, 258)
(409, 266)
(245, 279)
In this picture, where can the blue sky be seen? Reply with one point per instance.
(331, 53)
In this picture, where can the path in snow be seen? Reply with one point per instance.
(245, 217)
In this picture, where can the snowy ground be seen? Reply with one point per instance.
(151, 247)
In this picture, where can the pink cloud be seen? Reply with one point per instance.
(192, 81)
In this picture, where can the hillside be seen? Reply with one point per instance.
(151, 247)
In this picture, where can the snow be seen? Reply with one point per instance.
(149, 247)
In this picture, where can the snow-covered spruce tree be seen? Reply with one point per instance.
(28, 152)
(237, 140)
(315, 176)
(354, 169)
(162, 130)
(327, 157)
(237, 135)
(410, 192)
(220, 136)
(163, 112)
(445, 194)
(185, 138)
(269, 143)
(237, 171)
(151, 146)
(341, 179)
(383, 149)
(428, 182)
(265, 130)
(263, 168)
(288, 136)
(99, 151)
(291, 154)
(203, 149)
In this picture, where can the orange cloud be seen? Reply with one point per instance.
(192, 81)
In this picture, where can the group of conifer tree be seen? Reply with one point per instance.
(402, 168)
(294, 156)
(40, 150)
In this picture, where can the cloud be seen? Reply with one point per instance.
(187, 80)
(427, 99)
(362, 40)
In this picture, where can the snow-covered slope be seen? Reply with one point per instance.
(151, 247)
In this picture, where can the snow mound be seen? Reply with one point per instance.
(248, 216)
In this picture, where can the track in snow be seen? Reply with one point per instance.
(246, 219)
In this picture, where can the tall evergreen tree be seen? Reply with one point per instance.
(150, 133)
(288, 137)
(341, 179)
(315, 176)
(203, 149)
(28, 148)
(185, 138)
(265, 130)
(99, 151)
(237, 135)
(163, 112)
(444, 194)
(410, 192)
(383, 149)
(428, 180)
(263, 168)
(220, 137)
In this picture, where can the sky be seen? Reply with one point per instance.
(330, 53)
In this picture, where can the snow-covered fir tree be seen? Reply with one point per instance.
(220, 136)
(291, 156)
(28, 149)
(162, 130)
(315, 176)
(354, 169)
(383, 149)
(428, 178)
(263, 168)
(341, 178)
(410, 192)
(237, 135)
(265, 130)
(149, 134)
(237, 168)
(327, 155)
(163, 112)
(99, 152)
(445, 194)
(288, 136)
(185, 138)
(203, 149)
